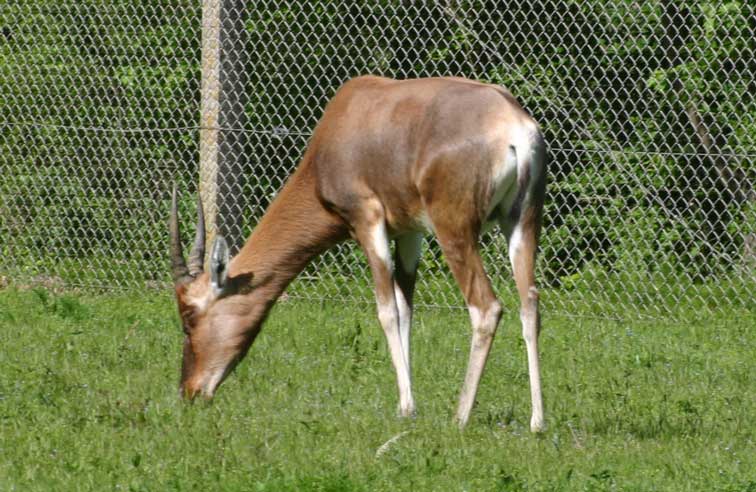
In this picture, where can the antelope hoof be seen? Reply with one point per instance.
(407, 411)
(537, 425)
(460, 421)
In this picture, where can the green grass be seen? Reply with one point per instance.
(88, 401)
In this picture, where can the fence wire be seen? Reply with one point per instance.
(647, 107)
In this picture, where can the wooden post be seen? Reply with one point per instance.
(209, 114)
(223, 97)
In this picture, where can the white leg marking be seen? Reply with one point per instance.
(483, 320)
(529, 319)
(514, 244)
(484, 324)
(475, 316)
(405, 322)
(409, 248)
(380, 244)
(389, 317)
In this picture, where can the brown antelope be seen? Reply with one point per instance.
(388, 160)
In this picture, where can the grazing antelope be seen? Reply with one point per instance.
(388, 160)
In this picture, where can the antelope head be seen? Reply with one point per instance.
(217, 314)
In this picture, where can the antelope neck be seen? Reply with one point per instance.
(295, 228)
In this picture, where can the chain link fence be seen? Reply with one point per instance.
(648, 109)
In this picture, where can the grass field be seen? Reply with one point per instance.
(88, 401)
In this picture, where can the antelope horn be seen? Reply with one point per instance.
(178, 265)
(197, 256)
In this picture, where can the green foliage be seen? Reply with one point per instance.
(610, 83)
(83, 85)
(610, 87)
(88, 402)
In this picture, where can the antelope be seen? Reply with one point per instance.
(389, 159)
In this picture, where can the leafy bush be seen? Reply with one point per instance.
(101, 106)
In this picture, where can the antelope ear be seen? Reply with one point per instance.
(219, 264)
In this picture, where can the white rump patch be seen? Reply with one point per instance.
(518, 154)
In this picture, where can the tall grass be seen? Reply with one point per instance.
(88, 401)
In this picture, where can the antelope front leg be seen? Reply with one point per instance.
(375, 242)
(407, 256)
